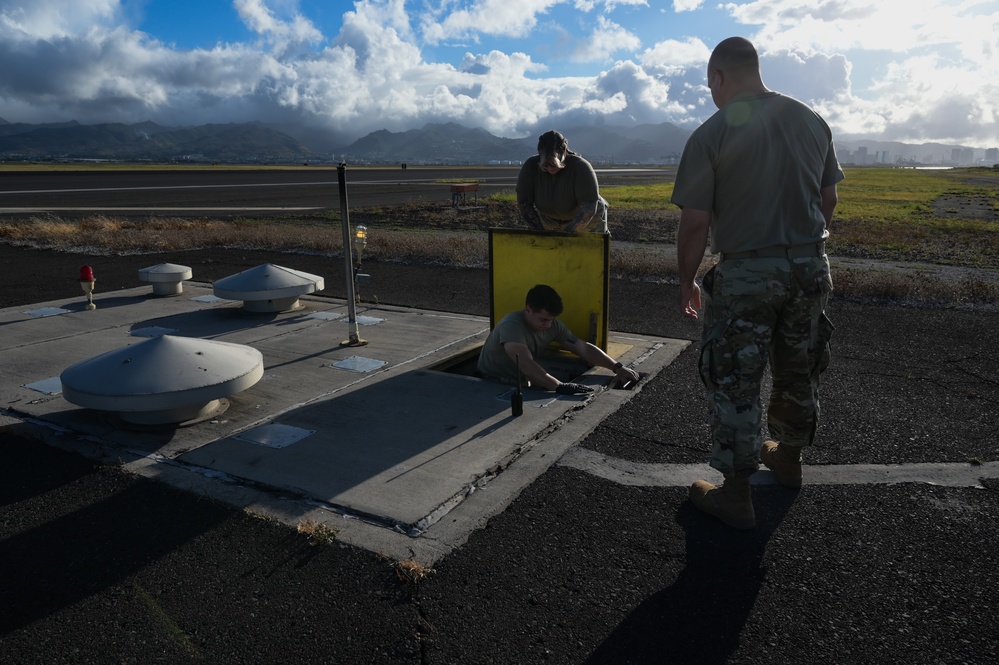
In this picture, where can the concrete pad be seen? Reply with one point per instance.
(369, 432)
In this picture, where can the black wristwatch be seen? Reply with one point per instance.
(618, 365)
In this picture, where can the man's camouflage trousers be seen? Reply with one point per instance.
(760, 310)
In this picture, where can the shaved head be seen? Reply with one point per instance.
(735, 55)
(733, 70)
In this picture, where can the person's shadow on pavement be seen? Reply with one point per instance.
(700, 617)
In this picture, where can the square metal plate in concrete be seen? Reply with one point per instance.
(366, 320)
(274, 435)
(325, 316)
(359, 364)
(47, 311)
(152, 331)
(51, 386)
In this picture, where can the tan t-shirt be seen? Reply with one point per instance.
(758, 166)
(493, 360)
(558, 196)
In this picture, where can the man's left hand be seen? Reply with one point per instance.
(626, 374)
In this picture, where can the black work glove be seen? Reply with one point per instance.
(573, 389)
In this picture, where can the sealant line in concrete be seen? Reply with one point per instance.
(625, 472)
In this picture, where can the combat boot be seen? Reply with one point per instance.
(731, 502)
(784, 461)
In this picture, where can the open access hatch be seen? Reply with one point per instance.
(575, 265)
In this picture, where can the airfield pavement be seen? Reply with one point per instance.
(888, 553)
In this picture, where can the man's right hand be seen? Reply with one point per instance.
(573, 389)
(690, 299)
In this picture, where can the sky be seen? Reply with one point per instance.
(894, 70)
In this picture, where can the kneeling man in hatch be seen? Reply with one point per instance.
(525, 334)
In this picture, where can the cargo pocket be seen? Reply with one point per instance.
(730, 357)
(825, 284)
(822, 350)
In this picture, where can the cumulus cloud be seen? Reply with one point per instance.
(686, 5)
(282, 34)
(54, 19)
(608, 5)
(942, 52)
(606, 39)
(380, 67)
(677, 56)
(512, 18)
(814, 77)
(911, 105)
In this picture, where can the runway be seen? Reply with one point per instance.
(226, 191)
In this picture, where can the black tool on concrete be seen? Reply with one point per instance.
(517, 399)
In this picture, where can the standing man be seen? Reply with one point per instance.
(521, 337)
(557, 190)
(761, 176)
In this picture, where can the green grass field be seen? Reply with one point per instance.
(948, 217)
(941, 220)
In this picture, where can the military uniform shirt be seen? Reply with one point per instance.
(777, 200)
(493, 360)
(558, 196)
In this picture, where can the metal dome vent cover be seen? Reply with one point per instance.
(163, 380)
(268, 288)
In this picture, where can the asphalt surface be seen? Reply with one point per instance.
(223, 191)
(99, 566)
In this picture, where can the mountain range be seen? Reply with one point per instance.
(446, 143)
(455, 144)
(147, 141)
(434, 143)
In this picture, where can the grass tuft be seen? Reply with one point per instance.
(411, 573)
(317, 532)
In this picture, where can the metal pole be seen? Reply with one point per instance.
(348, 260)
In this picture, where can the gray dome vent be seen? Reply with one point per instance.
(268, 288)
(167, 278)
(163, 380)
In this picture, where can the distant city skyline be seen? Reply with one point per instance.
(954, 156)
(879, 71)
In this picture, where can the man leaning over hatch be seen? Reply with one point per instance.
(761, 176)
(557, 190)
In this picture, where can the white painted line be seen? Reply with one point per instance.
(257, 185)
(147, 188)
(637, 474)
(38, 209)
